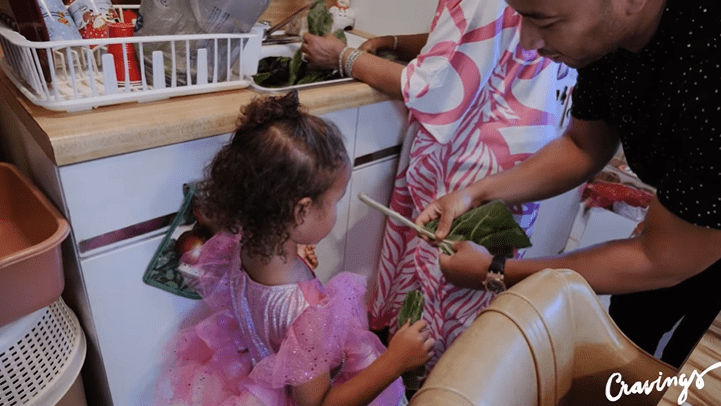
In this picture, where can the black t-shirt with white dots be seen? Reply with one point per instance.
(665, 102)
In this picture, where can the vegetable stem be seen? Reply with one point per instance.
(406, 222)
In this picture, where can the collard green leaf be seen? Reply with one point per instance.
(340, 34)
(283, 71)
(295, 64)
(412, 308)
(259, 78)
(491, 225)
(320, 20)
(312, 77)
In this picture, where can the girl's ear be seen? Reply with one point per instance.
(301, 209)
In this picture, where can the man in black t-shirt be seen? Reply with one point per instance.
(647, 78)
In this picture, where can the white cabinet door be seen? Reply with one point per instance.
(366, 225)
(330, 250)
(134, 321)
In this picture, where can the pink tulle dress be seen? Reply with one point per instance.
(261, 340)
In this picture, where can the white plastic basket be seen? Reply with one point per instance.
(81, 73)
(41, 356)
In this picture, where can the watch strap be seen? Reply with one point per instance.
(498, 265)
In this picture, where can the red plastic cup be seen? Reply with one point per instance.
(118, 30)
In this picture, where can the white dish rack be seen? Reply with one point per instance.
(80, 74)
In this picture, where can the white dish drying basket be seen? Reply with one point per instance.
(80, 74)
(41, 356)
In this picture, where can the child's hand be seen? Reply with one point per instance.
(411, 346)
(307, 254)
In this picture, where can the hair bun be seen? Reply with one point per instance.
(270, 109)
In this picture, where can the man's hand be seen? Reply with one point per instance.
(467, 268)
(446, 208)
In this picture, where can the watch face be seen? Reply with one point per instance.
(494, 284)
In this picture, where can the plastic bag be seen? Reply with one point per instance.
(163, 17)
(58, 21)
(93, 17)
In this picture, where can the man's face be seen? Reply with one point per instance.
(575, 32)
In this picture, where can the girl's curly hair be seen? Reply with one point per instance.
(278, 155)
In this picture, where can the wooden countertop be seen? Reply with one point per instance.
(704, 359)
(69, 138)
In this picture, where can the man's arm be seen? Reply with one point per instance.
(668, 251)
(564, 163)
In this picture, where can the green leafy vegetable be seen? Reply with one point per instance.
(320, 20)
(340, 34)
(412, 308)
(283, 71)
(491, 225)
(295, 65)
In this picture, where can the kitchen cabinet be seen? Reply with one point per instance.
(353, 244)
(366, 226)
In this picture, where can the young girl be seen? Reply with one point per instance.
(276, 335)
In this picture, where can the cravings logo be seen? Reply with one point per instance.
(616, 387)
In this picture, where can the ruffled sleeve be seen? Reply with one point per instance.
(323, 337)
(211, 272)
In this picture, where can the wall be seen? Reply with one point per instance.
(377, 17)
(382, 17)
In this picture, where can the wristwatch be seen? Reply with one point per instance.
(494, 277)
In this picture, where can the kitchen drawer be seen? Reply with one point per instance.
(380, 126)
(112, 193)
(346, 120)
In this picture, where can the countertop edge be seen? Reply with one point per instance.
(69, 138)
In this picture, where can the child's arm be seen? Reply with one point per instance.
(409, 349)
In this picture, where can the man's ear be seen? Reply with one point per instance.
(635, 6)
(301, 209)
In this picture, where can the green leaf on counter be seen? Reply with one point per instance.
(283, 71)
(340, 34)
(320, 20)
(261, 77)
(295, 65)
(491, 225)
(312, 77)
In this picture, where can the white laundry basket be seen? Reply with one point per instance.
(41, 356)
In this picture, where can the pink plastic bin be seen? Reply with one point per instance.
(31, 230)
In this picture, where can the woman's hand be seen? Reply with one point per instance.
(467, 268)
(322, 52)
(411, 346)
(446, 208)
(373, 45)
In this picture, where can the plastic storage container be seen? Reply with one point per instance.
(41, 355)
(31, 230)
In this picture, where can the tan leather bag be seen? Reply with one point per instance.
(546, 341)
